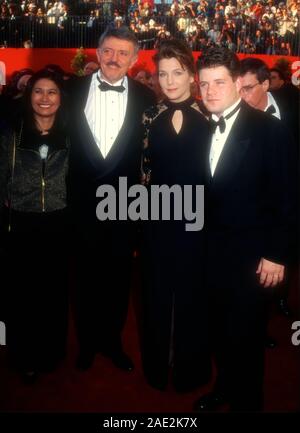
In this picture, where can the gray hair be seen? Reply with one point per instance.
(123, 33)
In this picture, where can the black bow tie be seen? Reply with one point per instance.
(221, 122)
(104, 86)
(271, 109)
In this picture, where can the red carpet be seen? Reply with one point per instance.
(106, 389)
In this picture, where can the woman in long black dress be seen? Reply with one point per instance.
(34, 222)
(174, 314)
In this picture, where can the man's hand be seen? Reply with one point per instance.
(270, 273)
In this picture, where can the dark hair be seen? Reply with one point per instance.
(28, 114)
(12, 87)
(256, 67)
(220, 56)
(279, 72)
(179, 50)
(21, 72)
(123, 33)
(55, 68)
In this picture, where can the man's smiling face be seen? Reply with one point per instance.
(116, 57)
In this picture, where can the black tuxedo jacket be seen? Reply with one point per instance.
(251, 199)
(88, 169)
(288, 101)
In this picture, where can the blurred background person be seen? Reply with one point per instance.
(13, 94)
(255, 79)
(276, 79)
(90, 68)
(144, 76)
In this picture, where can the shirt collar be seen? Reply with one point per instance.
(271, 101)
(227, 111)
(123, 81)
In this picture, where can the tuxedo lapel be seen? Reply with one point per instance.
(205, 146)
(207, 172)
(91, 151)
(82, 129)
(82, 87)
(84, 146)
(233, 152)
(123, 138)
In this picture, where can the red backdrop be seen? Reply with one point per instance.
(18, 58)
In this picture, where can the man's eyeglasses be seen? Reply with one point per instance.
(248, 89)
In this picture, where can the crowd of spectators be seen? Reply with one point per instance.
(37, 9)
(245, 26)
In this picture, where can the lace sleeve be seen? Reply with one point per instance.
(145, 163)
(148, 117)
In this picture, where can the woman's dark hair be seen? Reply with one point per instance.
(28, 114)
(220, 56)
(176, 49)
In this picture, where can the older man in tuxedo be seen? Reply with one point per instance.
(106, 142)
(249, 215)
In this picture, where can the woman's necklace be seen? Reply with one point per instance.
(42, 130)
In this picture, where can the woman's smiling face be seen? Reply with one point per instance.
(45, 98)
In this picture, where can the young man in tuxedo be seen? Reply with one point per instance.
(249, 214)
(106, 143)
(255, 80)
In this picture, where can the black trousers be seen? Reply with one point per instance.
(238, 312)
(103, 266)
(36, 284)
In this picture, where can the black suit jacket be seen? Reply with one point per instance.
(88, 169)
(251, 199)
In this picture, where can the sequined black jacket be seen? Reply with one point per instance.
(27, 184)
